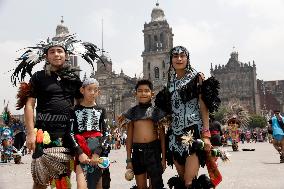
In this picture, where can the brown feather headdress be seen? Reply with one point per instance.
(23, 94)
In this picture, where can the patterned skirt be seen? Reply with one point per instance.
(51, 164)
(179, 151)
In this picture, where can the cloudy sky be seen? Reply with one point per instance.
(208, 28)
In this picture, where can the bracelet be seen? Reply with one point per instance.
(128, 160)
(206, 133)
(205, 130)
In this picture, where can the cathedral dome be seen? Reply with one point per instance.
(157, 14)
(61, 30)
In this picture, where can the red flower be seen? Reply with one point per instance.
(39, 136)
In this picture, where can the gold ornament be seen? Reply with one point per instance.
(188, 138)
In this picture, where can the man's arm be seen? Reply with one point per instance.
(129, 141)
(29, 122)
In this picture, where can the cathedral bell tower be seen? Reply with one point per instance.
(158, 40)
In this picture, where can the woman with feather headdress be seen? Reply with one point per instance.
(188, 98)
(53, 89)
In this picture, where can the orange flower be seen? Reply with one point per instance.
(39, 136)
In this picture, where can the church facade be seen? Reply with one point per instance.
(116, 90)
(238, 83)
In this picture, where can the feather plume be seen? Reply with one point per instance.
(238, 112)
(210, 94)
(35, 55)
(23, 94)
(26, 63)
(163, 100)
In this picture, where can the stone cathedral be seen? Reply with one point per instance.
(238, 83)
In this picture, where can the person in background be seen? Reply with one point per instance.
(278, 133)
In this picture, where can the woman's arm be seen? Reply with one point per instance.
(203, 108)
(205, 133)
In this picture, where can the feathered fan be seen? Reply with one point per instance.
(238, 112)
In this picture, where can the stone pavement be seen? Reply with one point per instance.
(259, 169)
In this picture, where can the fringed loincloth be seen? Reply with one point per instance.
(50, 165)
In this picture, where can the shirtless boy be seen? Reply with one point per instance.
(145, 138)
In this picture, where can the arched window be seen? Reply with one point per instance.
(149, 65)
(149, 76)
(161, 37)
(157, 74)
(164, 75)
(163, 64)
(155, 38)
(149, 43)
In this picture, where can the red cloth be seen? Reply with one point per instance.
(214, 132)
(213, 171)
(81, 139)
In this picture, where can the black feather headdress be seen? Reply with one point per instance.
(35, 55)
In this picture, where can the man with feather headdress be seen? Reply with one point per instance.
(53, 89)
(237, 117)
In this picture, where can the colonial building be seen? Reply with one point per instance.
(271, 95)
(158, 40)
(238, 83)
(117, 90)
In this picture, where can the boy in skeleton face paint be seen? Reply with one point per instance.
(187, 100)
(145, 138)
(89, 127)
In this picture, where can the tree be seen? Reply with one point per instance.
(220, 114)
(257, 121)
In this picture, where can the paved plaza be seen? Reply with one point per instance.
(259, 169)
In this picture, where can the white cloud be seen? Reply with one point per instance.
(272, 9)
(93, 20)
(197, 38)
(130, 67)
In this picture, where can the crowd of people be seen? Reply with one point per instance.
(12, 138)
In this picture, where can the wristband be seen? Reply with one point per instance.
(206, 133)
(205, 130)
